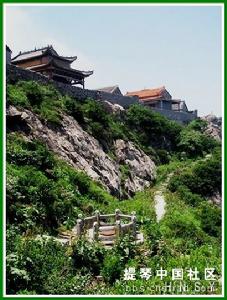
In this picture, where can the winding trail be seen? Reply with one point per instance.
(160, 204)
(159, 199)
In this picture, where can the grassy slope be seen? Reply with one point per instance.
(45, 195)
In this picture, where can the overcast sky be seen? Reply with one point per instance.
(138, 47)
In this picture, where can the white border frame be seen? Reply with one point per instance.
(4, 148)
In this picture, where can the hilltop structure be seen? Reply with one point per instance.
(47, 62)
(160, 100)
(111, 89)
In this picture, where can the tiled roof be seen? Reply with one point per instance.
(109, 89)
(69, 69)
(148, 94)
(29, 54)
(38, 52)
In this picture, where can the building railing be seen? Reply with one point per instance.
(99, 223)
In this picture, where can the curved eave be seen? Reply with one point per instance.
(78, 72)
(86, 73)
(68, 58)
(72, 71)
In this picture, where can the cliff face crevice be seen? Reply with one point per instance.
(81, 150)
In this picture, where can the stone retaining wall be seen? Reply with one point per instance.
(178, 116)
(13, 74)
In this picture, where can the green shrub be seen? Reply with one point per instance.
(96, 112)
(42, 192)
(88, 256)
(188, 196)
(49, 114)
(33, 262)
(203, 178)
(34, 92)
(198, 125)
(163, 156)
(44, 100)
(28, 153)
(211, 219)
(207, 177)
(74, 108)
(194, 143)
(112, 268)
(183, 225)
(66, 283)
(17, 96)
(125, 248)
(152, 128)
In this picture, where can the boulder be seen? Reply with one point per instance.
(141, 169)
(82, 151)
(214, 126)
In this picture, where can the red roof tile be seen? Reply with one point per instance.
(148, 94)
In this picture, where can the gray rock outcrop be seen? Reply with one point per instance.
(141, 168)
(214, 126)
(81, 150)
(113, 108)
(216, 198)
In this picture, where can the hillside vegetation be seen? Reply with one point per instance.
(45, 195)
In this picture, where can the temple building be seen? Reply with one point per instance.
(8, 55)
(159, 98)
(115, 90)
(47, 62)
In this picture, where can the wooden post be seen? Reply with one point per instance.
(97, 214)
(118, 228)
(70, 240)
(117, 213)
(133, 219)
(95, 231)
(79, 227)
(80, 216)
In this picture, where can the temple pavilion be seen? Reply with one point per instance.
(47, 62)
(159, 98)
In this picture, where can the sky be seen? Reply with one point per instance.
(135, 47)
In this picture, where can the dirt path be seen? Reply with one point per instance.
(159, 199)
(160, 204)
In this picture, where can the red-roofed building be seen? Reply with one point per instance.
(159, 98)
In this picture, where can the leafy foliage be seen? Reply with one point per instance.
(194, 143)
(112, 268)
(204, 178)
(45, 196)
(88, 256)
(32, 262)
(44, 191)
(150, 131)
(45, 100)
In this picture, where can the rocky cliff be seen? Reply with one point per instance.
(214, 126)
(71, 143)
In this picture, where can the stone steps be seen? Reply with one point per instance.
(107, 238)
(108, 243)
(107, 233)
